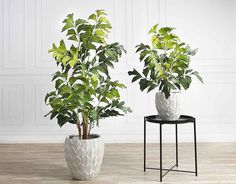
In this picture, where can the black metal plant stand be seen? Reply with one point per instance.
(183, 119)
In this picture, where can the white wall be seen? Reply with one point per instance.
(28, 28)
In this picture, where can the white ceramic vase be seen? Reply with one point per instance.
(170, 108)
(84, 156)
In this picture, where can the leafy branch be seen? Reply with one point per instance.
(84, 91)
(166, 62)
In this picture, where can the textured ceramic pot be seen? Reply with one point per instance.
(84, 156)
(168, 109)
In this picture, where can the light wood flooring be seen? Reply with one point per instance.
(122, 164)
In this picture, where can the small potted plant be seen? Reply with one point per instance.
(84, 91)
(166, 67)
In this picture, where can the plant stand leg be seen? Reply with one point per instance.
(176, 146)
(144, 164)
(160, 152)
(195, 146)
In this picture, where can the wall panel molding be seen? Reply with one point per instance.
(13, 106)
(14, 33)
(40, 61)
(1, 33)
(38, 35)
(29, 26)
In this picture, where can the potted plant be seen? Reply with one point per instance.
(84, 91)
(166, 67)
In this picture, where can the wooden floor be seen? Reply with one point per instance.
(122, 164)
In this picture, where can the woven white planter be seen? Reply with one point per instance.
(168, 109)
(84, 156)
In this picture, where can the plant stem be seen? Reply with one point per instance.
(79, 127)
(90, 127)
(79, 130)
(85, 126)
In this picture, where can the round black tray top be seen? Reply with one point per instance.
(157, 119)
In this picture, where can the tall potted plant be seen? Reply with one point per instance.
(166, 67)
(84, 91)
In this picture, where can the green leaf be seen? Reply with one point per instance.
(69, 22)
(170, 45)
(72, 80)
(102, 68)
(134, 72)
(103, 20)
(153, 29)
(143, 83)
(125, 109)
(166, 91)
(155, 41)
(115, 92)
(50, 50)
(56, 75)
(65, 60)
(64, 89)
(104, 99)
(60, 57)
(136, 78)
(158, 68)
(96, 39)
(58, 83)
(80, 21)
(109, 112)
(53, 114)
(185, 82)
(165, 30)
(48, 95)
(105, 27)
(93, 17)
(108, 63)
(198, 76)
(55, 54)
(73, 62)
(71, 32)
(142, 47)
(115, 103)
(62, 46)
(61, 120)
(170, 37)
(67, 26)
(91, 46)
(100, 33)
(182, 57)
(64, 75)
(188, 71)
(100, 12)
(193, 52)
(180, 64)
(73, 37)
(73, 50)
(94, 81)
(54, 48)
(151, 87)
(121, 85)
(171, 86)
(84, 80)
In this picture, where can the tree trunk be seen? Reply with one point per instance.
(79, 128)
(85, 126)
(85, 131)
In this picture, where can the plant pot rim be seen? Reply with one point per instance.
(170, 92)
(92, 136)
